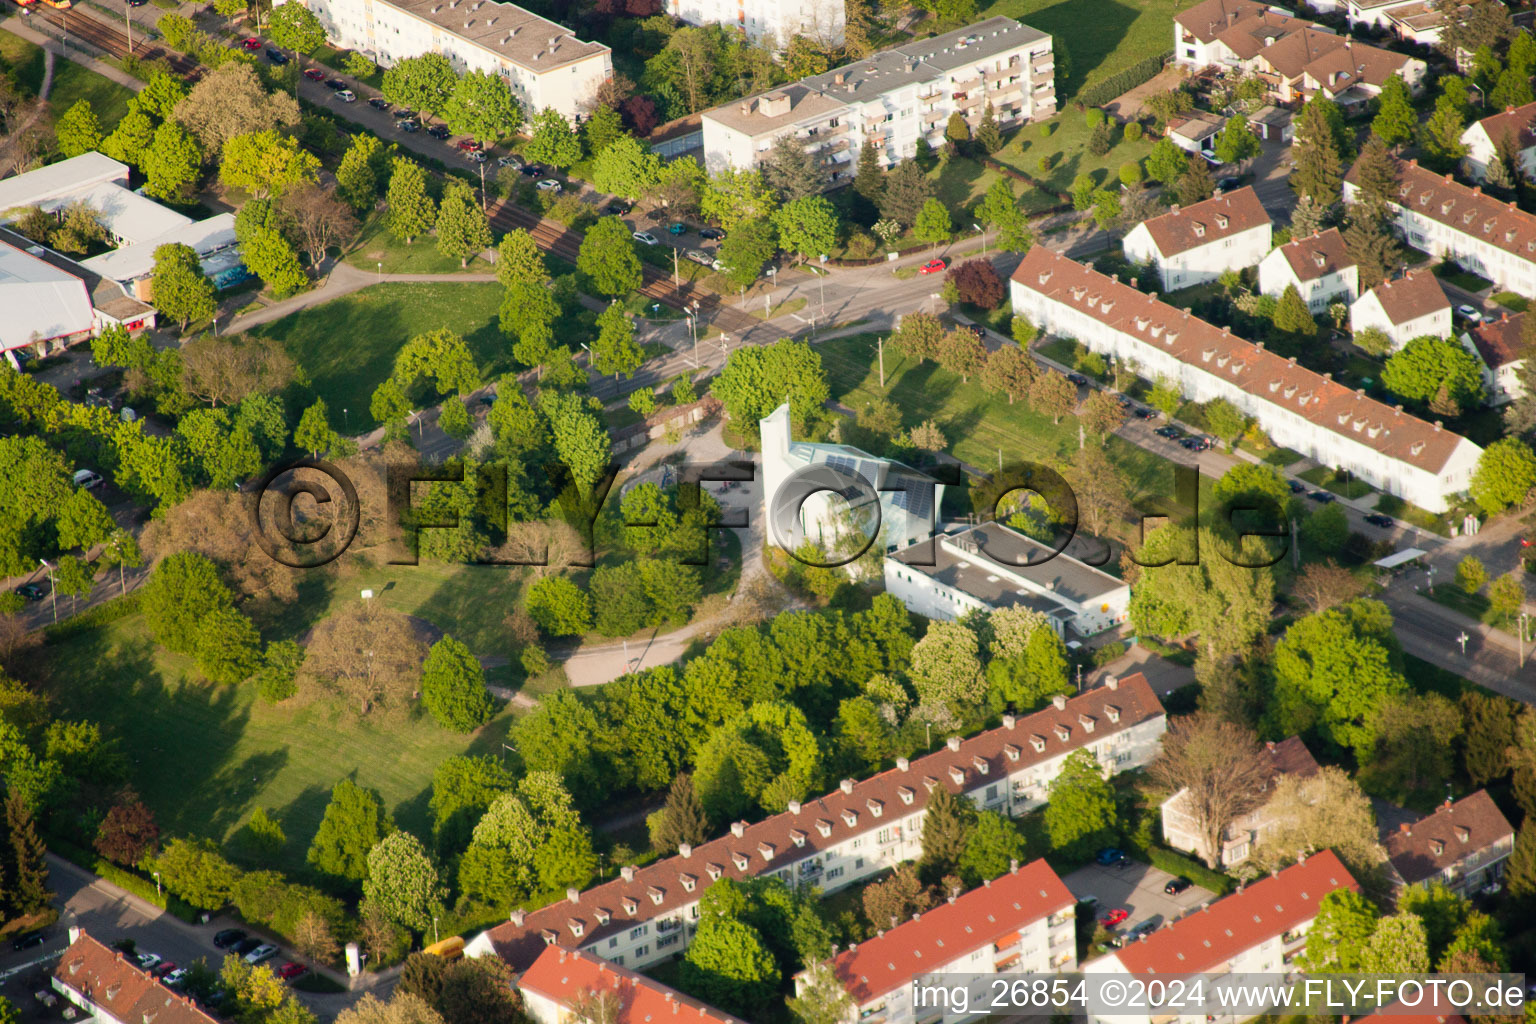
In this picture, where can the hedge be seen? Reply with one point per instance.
(1178, 864)
(143, 888)
(92, 618)
(1100, 93)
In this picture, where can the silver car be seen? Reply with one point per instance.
(699, 256)
(262, 953)
(645, 238)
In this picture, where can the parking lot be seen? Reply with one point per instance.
(1135, 887)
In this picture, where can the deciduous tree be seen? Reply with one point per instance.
(354, 822)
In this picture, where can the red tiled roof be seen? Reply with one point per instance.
(1415, 294)
(1454, 832)
(1207, 223)
(563, 974)
(1517, 122)
(1260, 32)
(1355, 64)
(1317, 255)
(106, 978)
(1290, 757)
(1304, 44)
(1207, 939)
(783, 839)
(1498, 341)
(1443, 199)
(992, 914)
(1209, 19)
(1249, 366)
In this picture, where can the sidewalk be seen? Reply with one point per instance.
(77, 51)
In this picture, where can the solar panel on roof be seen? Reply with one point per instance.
(869, 470)
(842, 463)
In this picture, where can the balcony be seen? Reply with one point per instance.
(928, 97)
(1040, 65)
(810, 870)
(970, 102)
(967, 85)
(671, 924)
(1011, 92)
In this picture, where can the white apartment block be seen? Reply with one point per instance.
(991, 566)
(1198, 244)
(1019, 923)
(563, 981)
(1439, 215)
(1405, 308)
(1319, 268)
(1299, 409)
(1482, 138)
(1245, 832)
(649, 913)
(892, 99)
(1500, 350)
(543, 63)
(1258, 930)
(770, 23)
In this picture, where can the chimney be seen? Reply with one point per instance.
(954, 743)
(627, 872)
(685, 850)
(738, 829)
(74, 934)
(1059, 702)
(1013, 866)
(1447, 804)
(902, 764)
(793, 806)
(846, 785)
(517, 917)
(1404, 828)
(1009, 720)
(574, 895)
(1113, 682)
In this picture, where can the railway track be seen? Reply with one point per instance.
(111, 40)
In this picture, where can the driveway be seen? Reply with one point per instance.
(1136, 887)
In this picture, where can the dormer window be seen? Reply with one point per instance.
(766, 850)
(1045, 276)
(740, 860)
(1358, 426)
(548, 936)
(797, 837)
(1112, 712)
(980, 764)
(603, 917)
(1416, 448)
(1173, 336)
(1320, 260)
(1140, 322)
(1086, 721)
(1290, 391)
(629, 905)
(1012, 752)
(715, 871)
(957, 774)
(1463, 834)
(1157, 330)
(876, 808)
(1063, 733)
(1222, 359)
(656, 894)
(1238, 367)
(1078, 292)
(1199, 229)
(906, 794)
(1437, 846)
(1343, 418)
(1208, 354)
(1509, 236)
(577, 928)
(1274, 385)
(1038, 742)
(1221, 221)
(824, 827)
(850, 817)
(1445, 207)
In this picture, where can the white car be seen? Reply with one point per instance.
(509, 161)
(88, 478)
(147, 961)
(176, 977)
(645, 238)
(347, 96)
(699, 256)
(1470, 314)
(262, 953)
(551, 185)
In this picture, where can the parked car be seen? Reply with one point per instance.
(163, 968)
(275, 56)
(1470, 314)
(470, 146)
(1144, 414)
(1321, 497)
(245, 946)
(147, 960)
(645, 238)
(34, 591)
(335, 84)
(1177, 885)
(1296, 486)
(1228, 184)
(1114, 917)
(476, 157)
(291, 970)
(510, 160)
(1078, 379)
(1170, 432)
(712, 234)
(408, 126)
(617, 208)
(1146, 927)
(1124, 401)
(677, 227)
(314, 74)
(88, 478)
(1385, 522)
(227, 938)
(700, 257)
(933, 267)
(438, 131)
(532, 171)
(550, 185)
(253, 44)
(261, 954)
(176, 977)
(30, 940)
(1109, 855)
(346, 96)
(405, 114)
(379, 103)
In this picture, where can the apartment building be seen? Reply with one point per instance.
(543, 63)
(891, 99)
(110, 989)
(857, 830)
(908, 500)
(1240, 836)
(770, 23)
(1191, 246)
(1439, 215)
(1299, 409)
(1502, 353)
(1319, 268)
(1257, 930)
(1405, 308)
(1463, 844)
(565, 985)
(1019, 923)
(1512, 126)
(991, 566)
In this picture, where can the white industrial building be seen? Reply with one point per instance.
(991, 566)
(858, 830)
(1332, 424)
(45, 307)
(770, 23)
(892, 99)
(1404, 308)
(1191, 246)
(543, 63)
(1319, 268)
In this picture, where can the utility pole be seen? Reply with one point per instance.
(1295, 548)
(880, 348)
(128, 23)
(675, 281)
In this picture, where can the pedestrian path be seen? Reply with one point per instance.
(23, 27)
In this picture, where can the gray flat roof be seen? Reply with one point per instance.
(969, 578)
(1063, 574)
(517, 34)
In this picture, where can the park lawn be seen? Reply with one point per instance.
(1100, 37)
(348, 346)
(71, 81)
(205, 757)
(375, 246)
(1068, 146)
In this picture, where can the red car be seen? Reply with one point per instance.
(1114, 917)
(291, 970)
(933, 267)
(163, 968)
(469, 145)
(314, 74)
(252, 43)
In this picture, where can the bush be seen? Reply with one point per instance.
(1130, 172)
(1093, 116)
(1133, 132)
(1045, 129)
(101, 615)
(1178, 864)
(1100, 93)
(1046, 163)
(861, 245)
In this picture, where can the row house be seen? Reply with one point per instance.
(565, 985)
(1439, 215)
(1244, 833)
(892, 99)
(1257, 930)
(1404, 308)
(1019, 923)
(1195, 245)
(111, 989)
(1501, 350)
(1463, 845)
(990, 566)
(540, 60)
(1514, 127)
(1299, 409)
(1317, 266)
(649, 913)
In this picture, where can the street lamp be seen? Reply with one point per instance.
(52, 589)
(157, 884)
(435, 939)
(983, 232)
(380, 265)
(1463, 641)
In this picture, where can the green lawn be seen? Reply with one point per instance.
(1465, 279)
(71, 81)
(348, 346)
(1350, 487)
(375, 245)
(1397, 508)
(1068, 148)
(1100, 37)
